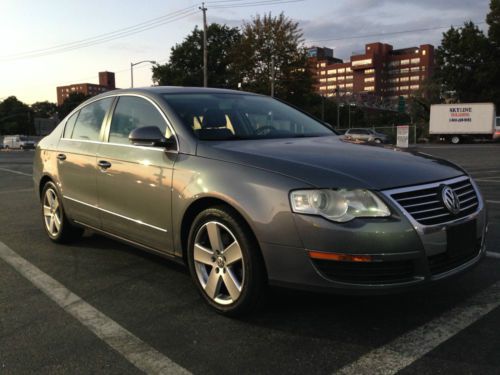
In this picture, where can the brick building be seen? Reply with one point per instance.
(106, 83)
(381, 71)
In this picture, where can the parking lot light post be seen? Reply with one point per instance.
(350, 105)
(132, 69)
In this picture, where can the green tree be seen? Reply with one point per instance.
(462, 63)
(44, 109)
(72, 101)
(493, 20)
(185, 66)
(273, 46)
(15, 117)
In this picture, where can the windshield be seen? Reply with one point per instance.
(215, 116)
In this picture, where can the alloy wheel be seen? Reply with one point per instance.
(52, 212)
(218, 261)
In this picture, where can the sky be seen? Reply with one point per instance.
(30, 67)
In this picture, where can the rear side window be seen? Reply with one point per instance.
(70, 125)
(89, 121)
(133, 112)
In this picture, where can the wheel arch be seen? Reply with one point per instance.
(45, 178)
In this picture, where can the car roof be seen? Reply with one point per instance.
(158, 90)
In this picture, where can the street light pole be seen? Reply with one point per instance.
(132, 69)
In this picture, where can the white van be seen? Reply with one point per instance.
(18, 141)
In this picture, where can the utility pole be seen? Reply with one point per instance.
(272, 76)
(205, 52)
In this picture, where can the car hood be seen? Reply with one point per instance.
(330, 162)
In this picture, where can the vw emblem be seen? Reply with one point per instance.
(450, 200)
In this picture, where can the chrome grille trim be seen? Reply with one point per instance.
(426, 210)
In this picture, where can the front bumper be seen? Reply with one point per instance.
(405, 253)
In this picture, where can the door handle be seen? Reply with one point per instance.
(104, 164)
(61, 157)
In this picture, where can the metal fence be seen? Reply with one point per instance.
(390, 131)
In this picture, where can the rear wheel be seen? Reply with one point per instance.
(378, 140)
(225, 262)
(57, 226)
(455, 139)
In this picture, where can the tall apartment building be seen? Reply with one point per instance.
(381, 71)
(106, 83)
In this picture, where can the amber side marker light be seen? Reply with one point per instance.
(340, 257)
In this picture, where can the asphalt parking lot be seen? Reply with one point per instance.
(451, 328)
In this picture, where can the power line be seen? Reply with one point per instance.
(389, 33)
(100, 39)
(255, 3)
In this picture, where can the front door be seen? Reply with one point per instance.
(134, 183)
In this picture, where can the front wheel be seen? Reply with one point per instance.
(455, 139)
(378, 140)
(225, 262)
(57, 226)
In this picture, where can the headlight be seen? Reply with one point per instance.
(338, 205)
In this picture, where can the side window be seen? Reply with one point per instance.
(89, 122)
(133, 112)
(70, 124)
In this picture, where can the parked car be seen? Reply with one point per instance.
(366, 135)
(18, 141)
(249, 191)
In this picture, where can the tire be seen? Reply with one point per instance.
(225, 262)
(56, 224)
(378, 140)
(455, 139)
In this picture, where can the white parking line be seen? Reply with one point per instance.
(495, 181)
(492, 254)
(16, 172)
(493, 202)
(124, 342)
(409, 347)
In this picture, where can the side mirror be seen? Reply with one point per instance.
(150, 136)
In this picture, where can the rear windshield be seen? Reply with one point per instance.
(239, 116)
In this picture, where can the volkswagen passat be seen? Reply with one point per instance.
(249, 191)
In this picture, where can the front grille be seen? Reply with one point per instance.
(426, 207)
(366, 272)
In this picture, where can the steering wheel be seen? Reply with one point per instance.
(264, 130)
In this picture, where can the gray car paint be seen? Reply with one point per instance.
(255, 178)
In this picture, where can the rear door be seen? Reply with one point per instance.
(77, 163)
(135, 187)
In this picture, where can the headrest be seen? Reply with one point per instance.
(213, 118)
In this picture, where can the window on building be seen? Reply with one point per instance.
(362, 62)
(89, 121)
(369, 71)
(405, 62)
(424, 52)
(322, 88)
(414, 78)
(323, 72)
(341, 78)
(332, 71)
(414, 87)
(393, 80)
(370, 79)
(423, 68)
(323, 65)
(349, 85)
(348, 70)
(341, 70)
(349, 77)
(332, 79)
(405, 70)
(369, 88)
(394, 63)
(415, 69)
(331, 87)
(322, 80)
(416, 60)
(403, 88)
(404, 79)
